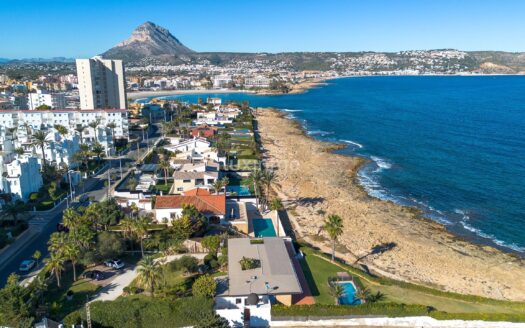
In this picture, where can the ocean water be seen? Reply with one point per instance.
(452, 146)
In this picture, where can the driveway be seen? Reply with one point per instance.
(116, 287)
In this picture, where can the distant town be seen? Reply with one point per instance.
(173, 212)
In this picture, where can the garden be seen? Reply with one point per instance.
(399, 298)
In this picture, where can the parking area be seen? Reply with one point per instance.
(102, 275)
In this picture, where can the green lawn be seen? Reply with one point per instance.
(160, 186)
(55, 297)
(318, 269)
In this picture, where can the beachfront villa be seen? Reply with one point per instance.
(247, 295)
(211, 206)
(189, 176)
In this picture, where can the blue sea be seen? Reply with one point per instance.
(453, 146)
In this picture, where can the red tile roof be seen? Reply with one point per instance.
(203, 201)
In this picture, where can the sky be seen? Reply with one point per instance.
(78, 29)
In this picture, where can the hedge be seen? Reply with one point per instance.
(141, 311)
(391, 310)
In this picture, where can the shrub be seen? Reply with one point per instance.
(214, 264)
(187, 264)
(145, 312)
(211, 243)
(249, 263)
(204, 286)
(208, 258)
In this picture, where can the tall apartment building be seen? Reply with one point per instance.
(101, 83)
(53, 100)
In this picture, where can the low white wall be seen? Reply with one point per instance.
(398, 322)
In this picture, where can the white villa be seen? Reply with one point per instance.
(20, 177)
(245, 298)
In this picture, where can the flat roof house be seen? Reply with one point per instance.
(248, 294)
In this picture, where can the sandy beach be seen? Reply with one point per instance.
(146, 94)
(313, 182)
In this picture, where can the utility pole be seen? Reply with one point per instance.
(109, 180)
(88, 315)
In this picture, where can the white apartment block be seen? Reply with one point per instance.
(20, 177)
(221, 81)
(26, 122)
(53, 100)
(257, 82)
(101, 83)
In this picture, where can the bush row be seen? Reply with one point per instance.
(391, 310)
(140, 311)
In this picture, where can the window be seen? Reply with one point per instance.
(238, 301)
(180, 189)
(186, 181)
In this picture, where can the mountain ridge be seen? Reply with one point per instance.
(148, 40)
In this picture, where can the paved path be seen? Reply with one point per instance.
(117, 285)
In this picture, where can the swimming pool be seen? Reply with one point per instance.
(263, 228)
(239, 190)
(348, 297)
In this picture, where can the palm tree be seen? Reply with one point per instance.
(62, 130)
(70, 218)
(217, 186)
(377, 297)
(98, 150)
(165, 166)
(166, 128)
(39, 140)
(55, 265)
(225, 183)
(80, 129)
(337, 291)
(268, 177)
(255, 179)
(57, 242)
(94, 125)
(362, 294)
(140, 230)
(333, 226)
(36, 256)
(19, 151)
(127, 227)
(27, 127)
(149, 273)
(72, 253)
(111, 126)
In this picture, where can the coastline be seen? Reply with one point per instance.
(146, 94)
(314, 182)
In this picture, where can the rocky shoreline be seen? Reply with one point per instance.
(391, 240)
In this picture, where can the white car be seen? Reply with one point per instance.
(115, 264)
(27, 265)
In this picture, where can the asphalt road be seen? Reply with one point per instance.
(94, 187)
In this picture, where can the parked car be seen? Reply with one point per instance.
(95, 274)
(27, 265)
(115, 264)
(84, 199)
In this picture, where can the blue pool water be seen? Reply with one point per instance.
(263, 228)
(348, 297)
(454, 146)
(239, 190)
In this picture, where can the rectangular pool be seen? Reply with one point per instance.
(263, 228)
(348, 297)
(239, 190)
